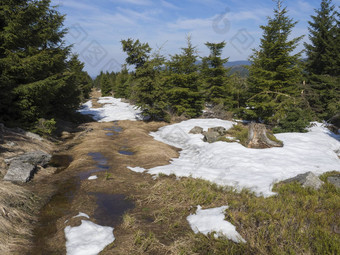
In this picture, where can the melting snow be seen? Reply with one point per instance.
(93, 177)
(212, 220)
(256, 169)
(112, 109)
(88, 238)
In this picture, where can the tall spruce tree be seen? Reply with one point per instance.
(216, 84)
(105, 85)
(323, 63)
(275, 74)
(184, 83)
(34, 79)
(148, 90)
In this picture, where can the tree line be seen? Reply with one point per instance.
(283, 90)
(39, 77)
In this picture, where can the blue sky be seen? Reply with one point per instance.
(97, 27)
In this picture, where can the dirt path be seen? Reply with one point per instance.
(109, 148)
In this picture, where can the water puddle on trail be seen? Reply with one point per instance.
(127, 153)
(115, 130)
(61, 162)
(111, 208)
(57, 207)
(101, 165)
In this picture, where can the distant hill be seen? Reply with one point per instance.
(237, 63)
(238, 67)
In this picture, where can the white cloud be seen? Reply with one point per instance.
(135, 2)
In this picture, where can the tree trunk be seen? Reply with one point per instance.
(257, 137)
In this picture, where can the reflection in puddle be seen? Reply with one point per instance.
(128, 153)
(101, 165)
(57, 207)
(111, 208)
(60, 161)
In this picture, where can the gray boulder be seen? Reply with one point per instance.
(35, 158)
(308, 179)
(220, 130)
(196, 130)
(335, 180)
(23, 167)
(211, 136)
(20, 171)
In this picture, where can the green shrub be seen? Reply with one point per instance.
(45, 127)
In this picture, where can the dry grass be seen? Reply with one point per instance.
(17, 210)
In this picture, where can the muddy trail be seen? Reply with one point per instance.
(105, 152)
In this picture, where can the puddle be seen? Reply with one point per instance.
(60, 161)
(128, 153)
(101, 165)
(57, 207)
(111, 208)
(115, 129)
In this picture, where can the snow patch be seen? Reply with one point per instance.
(256, 169)
(212, 220)
(112, 109)
(88, 238)
(137, 169)
(81, 215)
(93, 177)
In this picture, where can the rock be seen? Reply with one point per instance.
(258, 139)
(211, 136)
(35, 158)
(221, 130)
(20, 171)
(335, 180)
(196, 130)
(33, 136)
(308, 179)
(11, 144)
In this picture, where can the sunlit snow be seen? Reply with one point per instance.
(112, 109)
(212, 220)
(88, 238)
(256, 169)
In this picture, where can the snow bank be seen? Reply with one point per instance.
(112, 109)
(255, 169)
(212, 220)
(88, 238)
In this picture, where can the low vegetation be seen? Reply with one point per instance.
(17, 214)
(296, 221)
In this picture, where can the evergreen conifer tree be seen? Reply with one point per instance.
(323, 63)
(216, 82)
(184, 84)
(148, 89)
(276, 74)
(34, 79)
(105, 85)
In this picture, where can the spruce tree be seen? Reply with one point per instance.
(275, 73)
(33, 59)
(147, 90)
(183, 83)
(323, 63)
(81, 79)
(123, 82)
(216, 84)
(105, 85)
